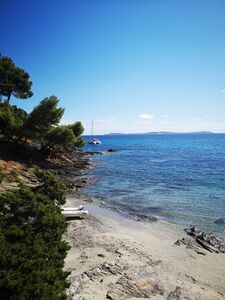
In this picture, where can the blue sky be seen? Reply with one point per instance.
(131, 66)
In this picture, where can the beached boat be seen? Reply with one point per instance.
(74, 213)
(74, 208)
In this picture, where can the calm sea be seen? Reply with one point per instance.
(178, 177)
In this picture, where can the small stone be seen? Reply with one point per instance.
(118, 252)
(101, 255)
(109, 296)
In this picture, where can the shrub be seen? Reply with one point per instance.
(32, 251)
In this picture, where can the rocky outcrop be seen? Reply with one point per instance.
(220, 221)
(17, 166)
(126, 288)
(14, 172)
(190, 244)
(206, 240)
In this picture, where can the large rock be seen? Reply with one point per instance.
(206, 240)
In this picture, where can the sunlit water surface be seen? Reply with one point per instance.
(178, 177)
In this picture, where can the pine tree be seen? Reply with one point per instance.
(13, 80)
(32, 250)
(12, 120)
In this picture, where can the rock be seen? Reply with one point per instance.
(110, 296)
(207, 246)
(118, 252)
(206, 240)
(75, 283)
(77, 297)
(220, 221)
(101, 255)
(111, 150)
(8, 186)
(178, 294)
(190, 245)
(144, 218)
(90, 153)
(141, 288)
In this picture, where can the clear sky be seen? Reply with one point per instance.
(131, 66)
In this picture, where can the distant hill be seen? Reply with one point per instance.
(162, 132)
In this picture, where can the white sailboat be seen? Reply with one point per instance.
(93, 141)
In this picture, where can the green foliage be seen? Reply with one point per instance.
(80, 142)
(1, 176)
(32, 251)
(13, 80)
(12, 120)
(59, 138)
(41, 127)
(51, 186)
(44, 116)
(77, 128)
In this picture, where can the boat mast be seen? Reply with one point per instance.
(92, 129)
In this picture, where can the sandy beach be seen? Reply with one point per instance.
(113, 257)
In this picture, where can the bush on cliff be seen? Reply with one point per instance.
(32, 251)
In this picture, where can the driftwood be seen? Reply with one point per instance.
(206, 240)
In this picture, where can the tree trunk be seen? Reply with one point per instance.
(8, 98)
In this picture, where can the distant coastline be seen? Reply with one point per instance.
(159, 133)
(164, 132)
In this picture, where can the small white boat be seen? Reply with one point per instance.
(74, 213)
(75, 208)
(94, 141)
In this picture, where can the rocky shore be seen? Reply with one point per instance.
(16, 165)
(116, 258)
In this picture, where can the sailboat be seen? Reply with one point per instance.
(93, 141)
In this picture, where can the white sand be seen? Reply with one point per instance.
(140, 255)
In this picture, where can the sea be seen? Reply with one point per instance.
(178, 178)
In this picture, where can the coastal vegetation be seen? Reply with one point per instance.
(31, 224)
(32, 250)
(13, 80)
(41, 127)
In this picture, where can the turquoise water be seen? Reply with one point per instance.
(178, 177)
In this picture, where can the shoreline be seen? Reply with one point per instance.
(113, 257)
